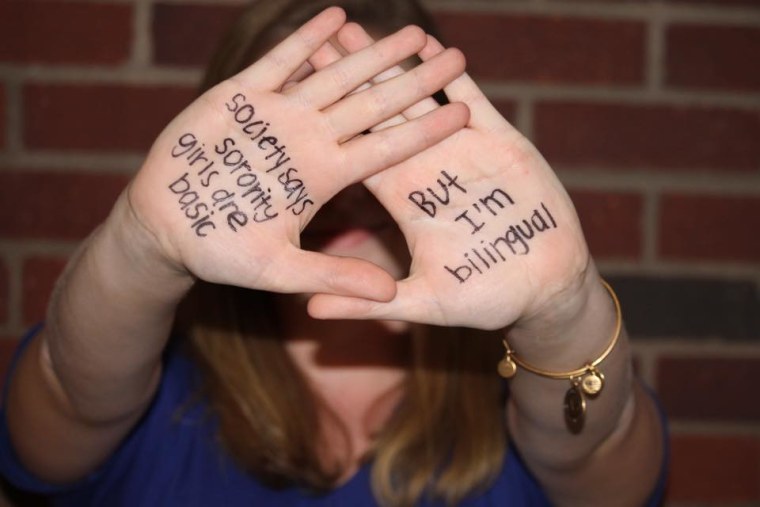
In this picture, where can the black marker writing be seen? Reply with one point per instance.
(191, 205)
(492, 203)
(441, 195)
(257, 195)
(515, 240)
(192, 150)
(275, 152)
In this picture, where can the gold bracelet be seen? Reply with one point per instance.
(586, 379)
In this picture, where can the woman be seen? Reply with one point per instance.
(255, 400)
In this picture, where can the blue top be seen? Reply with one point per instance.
(171, 458)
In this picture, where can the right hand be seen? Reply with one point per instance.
(483, 255)
(232, 181)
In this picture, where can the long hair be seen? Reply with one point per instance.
(445, 440)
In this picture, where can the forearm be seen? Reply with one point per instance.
(110, 317)
(88, 376)
(618, 448)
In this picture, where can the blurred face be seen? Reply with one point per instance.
(354, 224)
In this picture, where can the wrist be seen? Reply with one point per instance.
(125, 241)
(574, 328)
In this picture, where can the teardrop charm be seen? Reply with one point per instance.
(575, 409)
(507, 368)
(592, 382)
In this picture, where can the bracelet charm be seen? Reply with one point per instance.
(588, 380)
(575, 408)
(593, 381)
(507, 368)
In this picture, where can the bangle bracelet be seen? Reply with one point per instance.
(584, 380)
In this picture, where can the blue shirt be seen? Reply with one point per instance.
(171, 458)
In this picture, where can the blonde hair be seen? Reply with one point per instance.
(445, 440)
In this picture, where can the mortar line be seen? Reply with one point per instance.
(734, 15)
(699, 349)
(142, 50)
(524, 115)
(650, 226)
(655, 50)
(80, 162)
(633, 95)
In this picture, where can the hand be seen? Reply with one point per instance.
(493, 235)
(230, 183)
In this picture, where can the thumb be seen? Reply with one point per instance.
(302, 271)
(409, 304)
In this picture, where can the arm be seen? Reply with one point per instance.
(90, 373)
(617, 456)
(215, 199)
(496, 244)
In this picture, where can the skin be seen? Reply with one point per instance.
(72, 398)
(551, 303)
(88, 376)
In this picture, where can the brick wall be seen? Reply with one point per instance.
(648, 110)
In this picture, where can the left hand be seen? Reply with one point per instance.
(494, 237)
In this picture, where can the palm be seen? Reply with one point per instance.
(492, 233)
(252, 202)
(231, 182)
(506, 229)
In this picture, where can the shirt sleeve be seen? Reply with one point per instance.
(10, 466)
(14, 472)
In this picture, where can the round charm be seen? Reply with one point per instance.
(507, 368)
(592, 383)
(575, 409)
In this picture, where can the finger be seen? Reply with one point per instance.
(361, 111)
(374, 152)
(302, 271)
(274, 68)
(325, 56)
(299, 75)
(345, 75)
(464, 89)
(357, 44)
(410, 305)
(354, 38)
(324, 62)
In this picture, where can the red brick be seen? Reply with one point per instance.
(45, 205)
(99, 116)
(547, 49)
(715, 469)
(3, 109)
(187, 35)
(648, 136)
(7, 349)
(720, 57)
(4, 292)
(709, 388)
(611, 222)
(65, 32)
(710, 227)
(39, 276)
